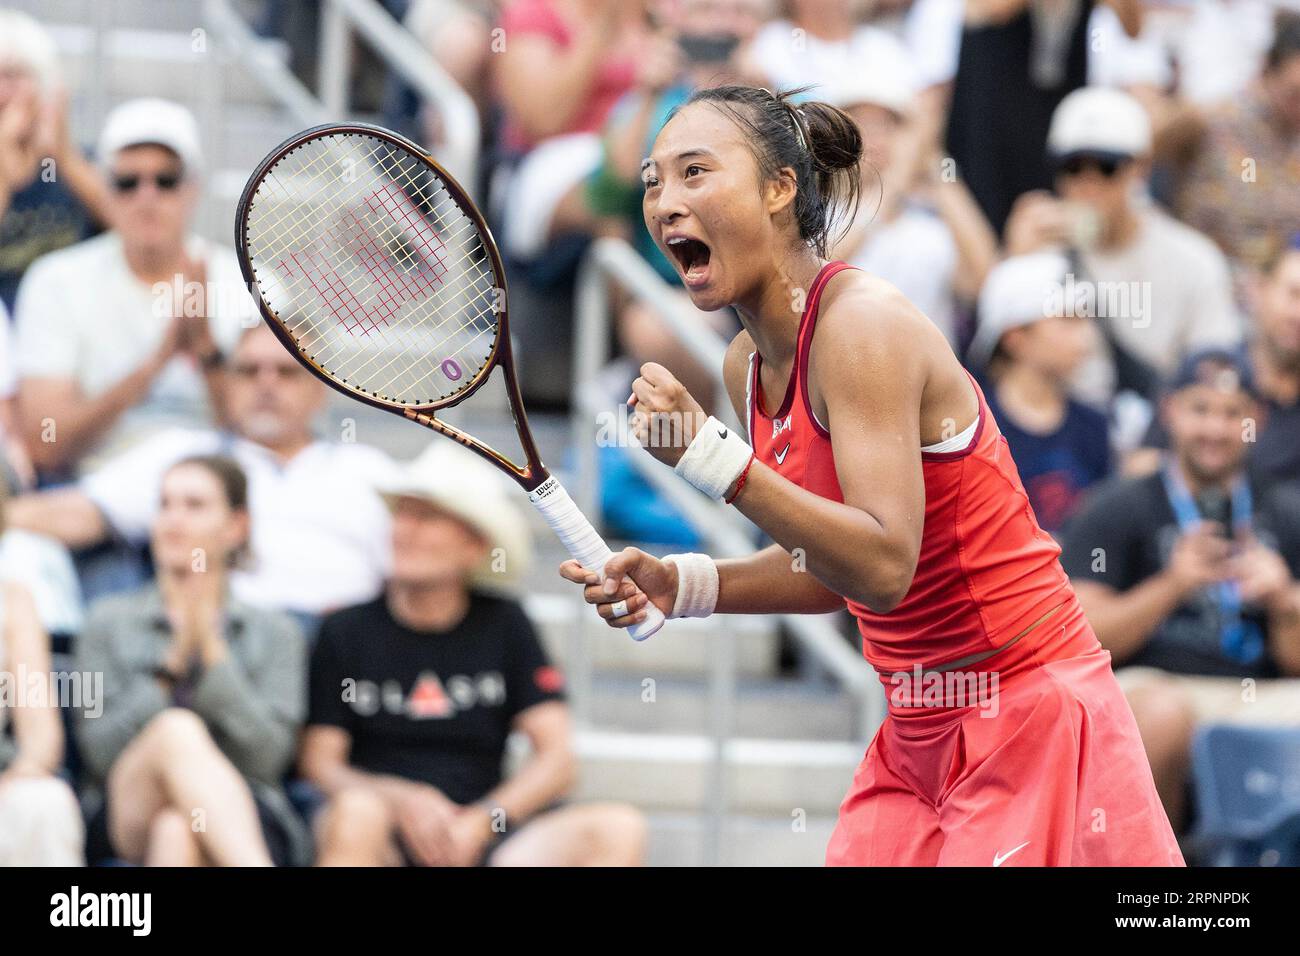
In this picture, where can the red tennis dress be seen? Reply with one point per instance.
(1030, 757)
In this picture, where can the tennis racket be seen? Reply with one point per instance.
(377, 272)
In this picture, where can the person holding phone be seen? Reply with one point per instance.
(1190, 575)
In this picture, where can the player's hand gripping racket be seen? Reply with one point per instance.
(377, 272)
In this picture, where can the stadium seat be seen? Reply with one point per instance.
(1247, 787)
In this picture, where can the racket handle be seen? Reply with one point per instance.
(584, 542)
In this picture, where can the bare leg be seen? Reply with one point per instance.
(355, 829)
(1166, 720)
(598, 834)
(40, 824)
(174, 764)
(172, 841)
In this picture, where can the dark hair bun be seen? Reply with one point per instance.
(833, 137)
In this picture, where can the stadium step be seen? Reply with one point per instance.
(177, 15)
(682, 648)
(136, 57)
(763, 708)
(794, 779)
(746, 840)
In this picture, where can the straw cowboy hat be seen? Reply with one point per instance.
(463, 485)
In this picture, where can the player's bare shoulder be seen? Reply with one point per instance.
(867, 316)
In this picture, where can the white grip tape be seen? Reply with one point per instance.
(584, 542)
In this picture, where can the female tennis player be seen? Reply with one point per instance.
(874, 464)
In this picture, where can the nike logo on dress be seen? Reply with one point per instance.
(722, 433)
(998, 860)
(780, 456)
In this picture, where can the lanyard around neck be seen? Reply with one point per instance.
(1239, 639)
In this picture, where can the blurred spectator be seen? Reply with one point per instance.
(40, 820)
(1273, 357)
(825, 43)
(926, 234)
(44, 568)
(17, 463)
(320, 538)
(1018, 60)
(931, 32)
(1160, 288)
(1242, 188)
(704, 43)
(563, 66)
(414, 695)
(1221, 45)
(1031, 348)
(50, 195)
(458, 35)
(203, 696)
(1188, 575)
(125, 333)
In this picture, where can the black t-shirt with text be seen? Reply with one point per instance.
(435, 707)
(1125, 534)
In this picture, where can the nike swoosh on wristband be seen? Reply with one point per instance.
(780, 456)
(999, 859)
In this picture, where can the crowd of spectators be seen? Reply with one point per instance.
(297, 649)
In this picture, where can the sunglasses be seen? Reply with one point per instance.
(250, 370)
(130, 182)
(1106, 165)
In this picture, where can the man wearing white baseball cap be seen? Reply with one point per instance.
(125, 333)
(1032, 336)
(1161, 288)
(441, 672)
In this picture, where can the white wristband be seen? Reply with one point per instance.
(697, 585)
(714, 459)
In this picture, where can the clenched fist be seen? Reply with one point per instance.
(664, 415)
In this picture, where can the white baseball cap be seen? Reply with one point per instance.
(463, 485)
(152, 120)
(1099, 121)
(891, 89)
(1017, 292)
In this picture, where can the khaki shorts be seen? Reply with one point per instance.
(1229, 700)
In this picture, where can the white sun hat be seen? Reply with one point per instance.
(462, 484)
(875, 85)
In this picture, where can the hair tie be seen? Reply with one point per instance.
(794, 118)
(798, 128)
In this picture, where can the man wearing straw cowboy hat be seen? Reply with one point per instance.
(414, 694)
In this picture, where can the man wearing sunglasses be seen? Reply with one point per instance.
(1161, 288)
(124, 334)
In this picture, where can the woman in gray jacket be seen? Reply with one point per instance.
(203, 696)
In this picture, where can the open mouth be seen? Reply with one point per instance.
(692, 255)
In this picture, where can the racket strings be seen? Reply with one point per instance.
(388, 196)
(373, 267)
